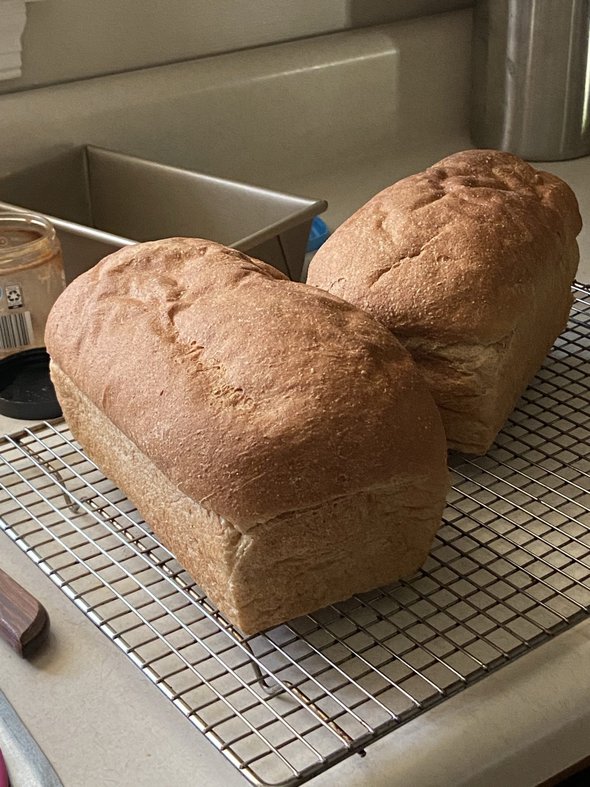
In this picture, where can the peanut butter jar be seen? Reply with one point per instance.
(31, 279)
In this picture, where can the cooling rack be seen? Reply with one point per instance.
(509, 570)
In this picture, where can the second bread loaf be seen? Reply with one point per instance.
(470, 264)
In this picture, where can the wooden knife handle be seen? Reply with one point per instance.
(23, 620)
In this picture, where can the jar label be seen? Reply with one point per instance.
(16, 330)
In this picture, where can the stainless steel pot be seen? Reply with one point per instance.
(531, 77)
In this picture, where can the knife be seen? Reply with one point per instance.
(24, 622)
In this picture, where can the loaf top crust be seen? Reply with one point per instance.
(454, 253)
(257, 396)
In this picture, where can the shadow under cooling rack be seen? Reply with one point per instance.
(510, 568)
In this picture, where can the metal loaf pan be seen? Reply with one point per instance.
(100, 200)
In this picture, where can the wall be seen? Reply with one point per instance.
(65, 40)
(276, 115)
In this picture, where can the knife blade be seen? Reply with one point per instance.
(25, 761)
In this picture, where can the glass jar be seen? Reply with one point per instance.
(31, 278)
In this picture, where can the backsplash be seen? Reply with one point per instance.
(277, 116)
(66, 40)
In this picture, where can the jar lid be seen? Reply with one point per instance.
(26, 390)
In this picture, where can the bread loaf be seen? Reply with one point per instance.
(278, 440)
(470, 264)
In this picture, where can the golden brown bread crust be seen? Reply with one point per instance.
(278, 440)
(469, 264)
(255, 395)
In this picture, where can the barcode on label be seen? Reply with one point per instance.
(16, 330)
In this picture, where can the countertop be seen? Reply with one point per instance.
(98, 719)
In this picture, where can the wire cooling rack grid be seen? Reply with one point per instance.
(510, 568)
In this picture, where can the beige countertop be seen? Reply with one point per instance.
(94, 714)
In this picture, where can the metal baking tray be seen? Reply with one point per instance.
(101, 200)
(509, 570)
